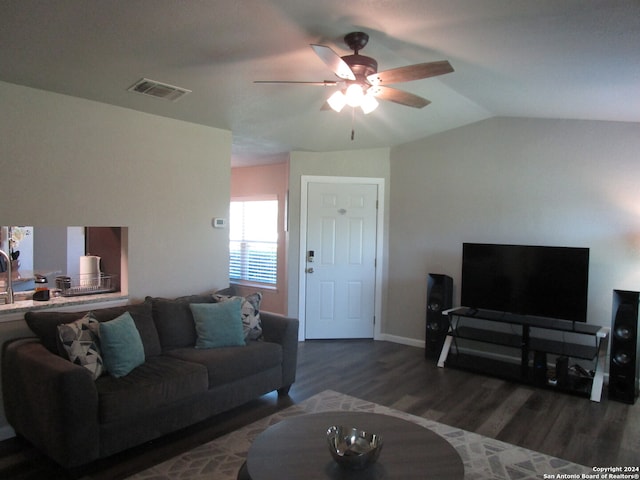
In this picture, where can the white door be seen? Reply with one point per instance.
(340, 260)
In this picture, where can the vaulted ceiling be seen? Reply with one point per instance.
(574, 59)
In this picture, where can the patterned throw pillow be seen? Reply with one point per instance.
(81, 343)
(250, 311)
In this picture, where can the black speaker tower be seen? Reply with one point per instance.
(624, 365)
(439, 299)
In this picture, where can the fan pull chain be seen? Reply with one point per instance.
(353, 121)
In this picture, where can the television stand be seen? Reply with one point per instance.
(523, 344)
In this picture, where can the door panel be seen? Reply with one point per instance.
(328, 242)
(340, 278)
(354, 296)
(356, 240)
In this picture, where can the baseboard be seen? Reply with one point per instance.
(411, 342)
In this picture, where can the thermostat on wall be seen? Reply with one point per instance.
(219, 223)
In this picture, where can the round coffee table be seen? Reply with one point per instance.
(297, 448)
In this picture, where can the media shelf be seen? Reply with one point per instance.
(554, 347)
(476, 364)
(575, 384)
(523, 343)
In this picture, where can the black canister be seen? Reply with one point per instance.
(63, 282)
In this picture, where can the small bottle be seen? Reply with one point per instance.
(42, 289)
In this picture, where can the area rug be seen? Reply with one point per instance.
(483, 457)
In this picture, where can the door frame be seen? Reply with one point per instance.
(302, 261)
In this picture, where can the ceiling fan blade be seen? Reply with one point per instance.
(324, 83)
(334, 62)
(399, 96)
(410, 72)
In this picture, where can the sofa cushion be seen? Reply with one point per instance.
(45, 324)
(159, 381)
(250, 313)
(174, 320)
(226, 364)
(80, 344)
(121, 345)
(218, 324)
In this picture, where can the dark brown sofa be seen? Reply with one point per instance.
(74, 419)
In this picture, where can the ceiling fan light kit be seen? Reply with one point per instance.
(361, 84)
(368, 103)
(337, 101)
(354, 96)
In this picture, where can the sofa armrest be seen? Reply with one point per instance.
(283, 330)
(51, 402)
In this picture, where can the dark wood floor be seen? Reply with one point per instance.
(573, 428)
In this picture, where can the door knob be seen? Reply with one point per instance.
(309, 270)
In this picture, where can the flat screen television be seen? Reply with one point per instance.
(540, 281)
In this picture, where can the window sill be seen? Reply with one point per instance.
(261, 286)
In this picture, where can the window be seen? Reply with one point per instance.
(253, 240)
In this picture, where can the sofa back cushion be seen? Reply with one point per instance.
(45, 324)
(174, 320)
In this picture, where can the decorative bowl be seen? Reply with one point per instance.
(352, 448)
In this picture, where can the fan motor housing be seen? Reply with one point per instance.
(361, 65)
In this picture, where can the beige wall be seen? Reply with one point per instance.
(512, 180)
(372, 163)
(68, 161)
(267, 180)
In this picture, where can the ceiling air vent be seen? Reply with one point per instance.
(158, 89)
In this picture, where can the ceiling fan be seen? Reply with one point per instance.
(360, 82)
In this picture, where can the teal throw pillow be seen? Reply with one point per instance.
(121, 345)
(218, 324)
